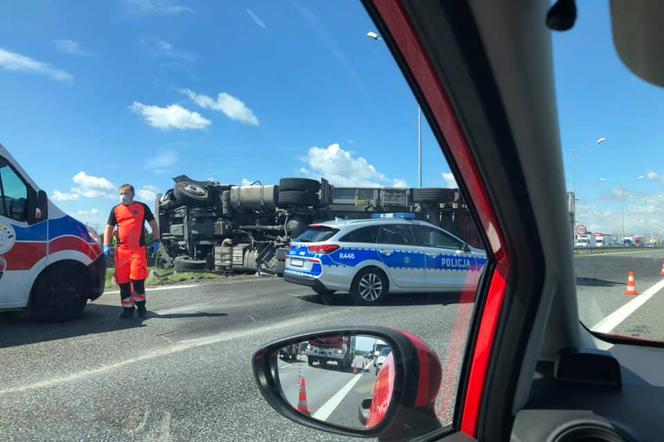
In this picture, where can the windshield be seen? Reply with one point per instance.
(203, 140)
(609, 121)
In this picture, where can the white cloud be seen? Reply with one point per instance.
(256, 19)
(162, 162)
(342, 168)
(12, 61)
(70, 47)
(232, 107)
(450, 181)
(159, 48)
(64, 196)
(170, 117)
(654, 176)
(156, 7)
(86, 186)
(147, 193)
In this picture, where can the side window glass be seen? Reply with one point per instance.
(363, 235)
(13, 194)
(428, 237)
(395, 234)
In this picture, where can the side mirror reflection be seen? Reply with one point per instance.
(329, 378)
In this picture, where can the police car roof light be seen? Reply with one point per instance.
(393, 215)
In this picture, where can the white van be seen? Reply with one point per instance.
(50, 263)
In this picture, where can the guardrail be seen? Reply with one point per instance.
(596, 250)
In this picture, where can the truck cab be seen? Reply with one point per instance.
(50, 263)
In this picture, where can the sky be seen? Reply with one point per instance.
(598, 97)
(140, 91)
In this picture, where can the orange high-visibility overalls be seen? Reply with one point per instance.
(130, 256)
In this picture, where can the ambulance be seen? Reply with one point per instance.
(50, 263)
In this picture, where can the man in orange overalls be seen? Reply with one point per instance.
(131, 266)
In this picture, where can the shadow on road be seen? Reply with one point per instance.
(393, 300)
(96, 318)
(594, 282)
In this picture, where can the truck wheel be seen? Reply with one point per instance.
(310, 361)
(60, 294)
(186, 264)
(301, 184)
(369, 287)
(430, 195)
(191, 194)
(297, 198)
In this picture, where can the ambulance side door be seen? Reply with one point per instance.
(22, 237)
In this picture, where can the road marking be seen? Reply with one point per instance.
(614, 319)
(579, 255)
(157, 289)
(167, 351)
(328, 407)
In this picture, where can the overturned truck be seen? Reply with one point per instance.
(236, 229)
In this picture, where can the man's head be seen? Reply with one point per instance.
(127, 194)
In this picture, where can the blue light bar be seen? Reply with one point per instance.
(393, 215)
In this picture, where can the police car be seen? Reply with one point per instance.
(388, 253)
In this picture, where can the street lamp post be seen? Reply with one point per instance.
(574, 152)
(374, 36)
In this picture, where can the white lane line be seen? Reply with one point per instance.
(157, 289)
(328, 407)
(614, 319)
(167, 351)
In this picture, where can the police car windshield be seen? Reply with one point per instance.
(316, 234)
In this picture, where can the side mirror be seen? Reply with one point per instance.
(38, 210)
(323, 379)
(465, 247)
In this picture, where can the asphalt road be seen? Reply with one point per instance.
(601, 283)
(184, 372)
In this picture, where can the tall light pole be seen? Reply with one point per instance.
(574, 152)
(374, 36)
(622, 195)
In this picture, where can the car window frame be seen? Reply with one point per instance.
(375, 241)
(407, 227)
(459, 241)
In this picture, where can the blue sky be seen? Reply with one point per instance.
(129, 91)
(599, 97)
(142, 90)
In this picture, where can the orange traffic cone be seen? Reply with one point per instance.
(631, 285)
(302, 406)
(662, 272)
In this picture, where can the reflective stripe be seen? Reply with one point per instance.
(138, 297)
(128, 302)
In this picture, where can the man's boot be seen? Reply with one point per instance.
(127, 313)
(142, 311)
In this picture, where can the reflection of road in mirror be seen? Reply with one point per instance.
(330, 378)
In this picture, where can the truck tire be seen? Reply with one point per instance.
(430, 195)
(297, 198)
(191, 194)
(310, 361)
(301, 184)
(60, 294)
(186, 264)
(369, 287)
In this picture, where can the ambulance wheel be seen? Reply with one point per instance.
(60, 294)
(369, 287)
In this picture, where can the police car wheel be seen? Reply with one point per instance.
(369, 287)
(59, 295)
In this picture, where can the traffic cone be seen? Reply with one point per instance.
(631, 285)
(662, 272)
(302, 406)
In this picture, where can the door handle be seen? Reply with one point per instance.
(433, 255)
(386, 252)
